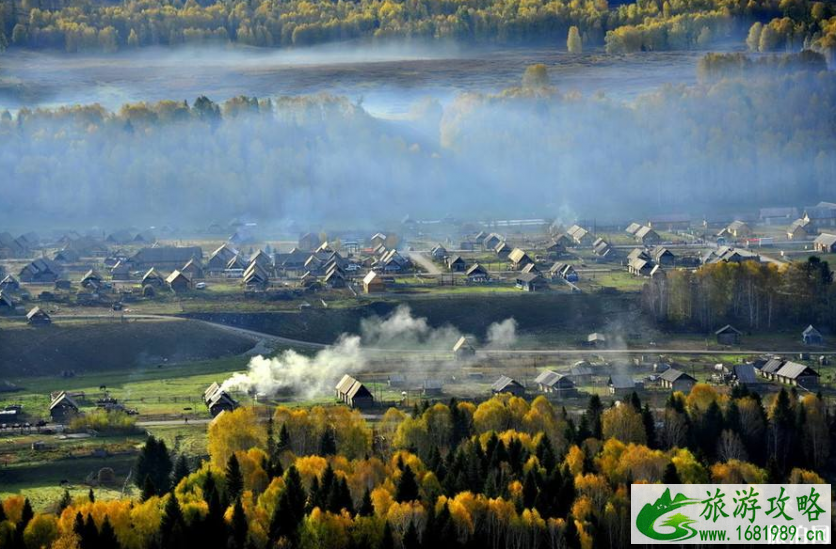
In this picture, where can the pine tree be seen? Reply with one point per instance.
(407, 487)
(594, 410)
(328, 443)
(234, 479)
(284, 439)
(63, 503)
(181, 470)
(214, 525)
(410, 537)
(290, 510)
(89, 534)
(148, 489)
(172, 523)
(155, 462)
(671, 476)
(529, 492)
(107, 537)
(91, 496)
(239, 526)
(3, 512)
(388, 541)
(366, 507)
(545, 454)
(649, 426)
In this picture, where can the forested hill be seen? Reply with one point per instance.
(74, 25)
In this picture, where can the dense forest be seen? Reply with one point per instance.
(75, 25)
(745, 137)
(750, 294)
(503, 473)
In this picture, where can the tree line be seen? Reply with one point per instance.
(750, 294)
(747, 137)
(505, 473)
(77, 25)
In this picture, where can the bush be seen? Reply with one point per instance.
(103, 421)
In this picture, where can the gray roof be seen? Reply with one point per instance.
(503, 383)
(581, 368)
(63, 399)
(167, 254)
(528, 278)
(621, 381)
(727, 328)
(826, 239)
(745, 373)
(476, 269)
(36, 311)
(671, 375)
(551, 379)
(772, 365)
(810, 330)
(518, 255)
(793, 370)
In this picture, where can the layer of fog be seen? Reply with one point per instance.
(352, 354)
(386, 77)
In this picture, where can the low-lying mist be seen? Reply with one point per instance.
(315, 375)
(745, 141)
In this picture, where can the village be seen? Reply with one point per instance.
(224, 283)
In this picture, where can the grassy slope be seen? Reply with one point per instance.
(87, 347)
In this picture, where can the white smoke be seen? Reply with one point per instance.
(315, 375)
(502, 335)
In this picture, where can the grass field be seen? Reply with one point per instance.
(103, 346)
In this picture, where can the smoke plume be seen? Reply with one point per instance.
(310, 376)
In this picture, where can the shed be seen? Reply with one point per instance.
(432, 387)
(811, 336)
(373, 283)
(519, 258)
(463, 348)
(744, 374)
(506, 384)
(63, 408)
(153, 278)
(456, 263)
(552, 382)
(178, 282)
(92, 280)
(217, 400)
(676, 380)
(120, 271)
(193, 269)
(648, 236)
(621, 384)
(596, 339)
(38, 317)
(477, 273)
(353, 393)
(728, 335)
(825, 243)
(793, 373)
(531, 282)
(581, 373)
(9, 283)
(164, 257)
(492, 241)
